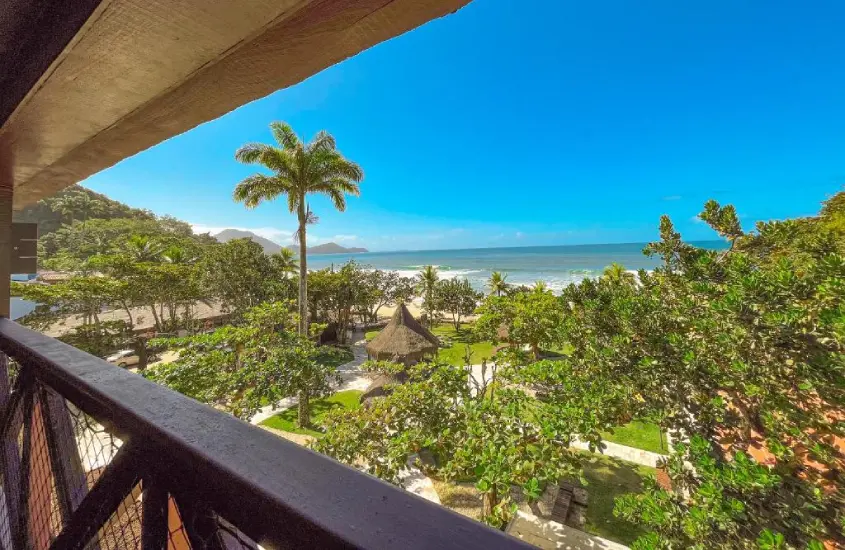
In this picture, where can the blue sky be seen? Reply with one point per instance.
(536, 123)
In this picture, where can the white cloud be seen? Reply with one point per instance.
(341, 238)
(519, 234)
(696, 219)
(672, 198)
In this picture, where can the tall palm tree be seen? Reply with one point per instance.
(299, 169)
(497, 283)
(285, 261)
(141, 248)
(175, 254)
(617, 273)
(426, 283)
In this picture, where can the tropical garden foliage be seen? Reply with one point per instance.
(738, 354)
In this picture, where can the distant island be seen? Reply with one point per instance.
(272, 248)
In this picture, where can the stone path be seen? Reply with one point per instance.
(623, 452)
(552, 535)
(414, 481)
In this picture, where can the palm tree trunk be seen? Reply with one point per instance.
(303, 278)
(303, 411)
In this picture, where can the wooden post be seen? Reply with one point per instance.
(6, 195)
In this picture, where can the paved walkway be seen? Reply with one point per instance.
(623, 452)
(551, 535)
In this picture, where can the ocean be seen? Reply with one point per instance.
(557, 266)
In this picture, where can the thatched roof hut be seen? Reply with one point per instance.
(381, 385)
(404, 339)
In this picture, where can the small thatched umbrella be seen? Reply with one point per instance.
(380, 386)
(403, 340)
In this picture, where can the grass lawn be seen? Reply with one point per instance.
(334, 356)
(286, 420)
(640, 435)
(461, 497)
(454, 354)
(608, 478)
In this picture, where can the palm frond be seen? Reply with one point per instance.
(256, 189)
(285, 135)
(323, 141)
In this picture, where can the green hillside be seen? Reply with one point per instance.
(77, 223)
(76, 203)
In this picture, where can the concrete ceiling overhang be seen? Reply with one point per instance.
(119, 76)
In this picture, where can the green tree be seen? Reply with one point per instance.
(497, 283)
(498, 441)
(457, 298)
(284, 261)
(141, 248)
(427, 285)
(239, 274)
(739, 354)
(617, 273)
(335, 294)
(298, 170)
(242, 368)
(80, 204)
(531, 318)
(378, 288)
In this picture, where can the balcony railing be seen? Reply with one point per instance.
(96, 457)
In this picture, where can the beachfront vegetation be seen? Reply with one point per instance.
(736, 353)
(298, 169)
(531, 318)
(379, 288)
(739, 355)
(457, 298)
(426, 286)
(498, 283)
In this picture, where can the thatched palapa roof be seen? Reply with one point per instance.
(380, 386)
(403, 338)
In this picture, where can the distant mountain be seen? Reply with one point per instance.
(330, 248)
(230, 234)
(271, 248)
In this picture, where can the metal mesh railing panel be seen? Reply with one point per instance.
(122, 531)
(96, 446)
(177, 535)
(43, 516)
(9, 478)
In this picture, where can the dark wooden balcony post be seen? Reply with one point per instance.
(6, 196)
